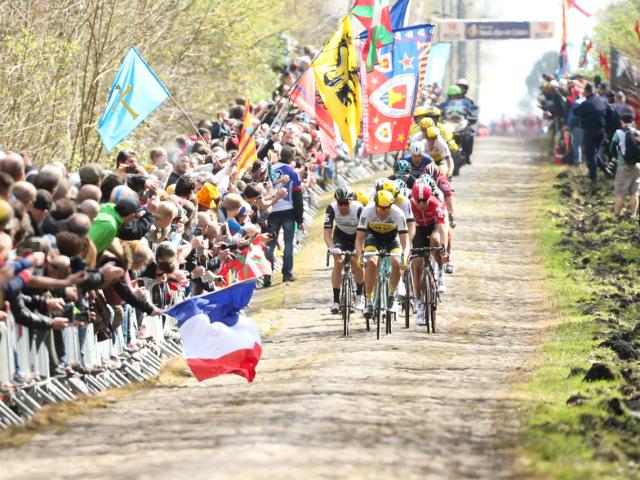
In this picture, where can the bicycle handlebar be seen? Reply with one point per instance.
(381, 253)
(424, 250)
(342, 252)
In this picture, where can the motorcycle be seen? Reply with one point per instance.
(463, 134)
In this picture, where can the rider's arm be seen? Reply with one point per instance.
(404, 243)
(411, 226)
(359, 242)
(328, 227)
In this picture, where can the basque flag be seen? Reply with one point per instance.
(217, 338)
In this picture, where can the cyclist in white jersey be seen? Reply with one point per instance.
(345, 213)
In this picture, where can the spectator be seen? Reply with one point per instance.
(628, 172)
(592, 113)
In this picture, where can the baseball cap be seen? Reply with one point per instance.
(127, 206)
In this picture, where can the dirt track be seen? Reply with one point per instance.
(410, 406)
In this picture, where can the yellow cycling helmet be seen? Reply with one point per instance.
(386, 184)
(362, 198)
(420, 111)
(433, 112)
(426, 123)
(432, 132)
(384, 199)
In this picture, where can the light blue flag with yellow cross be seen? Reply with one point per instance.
(136, 92)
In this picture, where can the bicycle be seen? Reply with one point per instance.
(381, 292)
(430, 295)
(347, 291)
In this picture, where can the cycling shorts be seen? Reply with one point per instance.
(344, 241)
(381, 241)
(423, 236)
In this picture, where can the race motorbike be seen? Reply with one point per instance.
(463, 133)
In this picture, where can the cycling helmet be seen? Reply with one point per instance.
(417, 148)
(387, 185)
(379, 184)
(362, 198)
(454, 90)
(432, 132)
(402, 168)
(401, 187)
(343, 194)
(433, 112)
(420, 191)
(428, 180)
(427, 122)
(432, 170)
(420, 111)
(462, 82)
(384, 199)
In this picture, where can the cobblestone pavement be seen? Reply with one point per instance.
(410, 406)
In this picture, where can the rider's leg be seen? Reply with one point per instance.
(436, 242)
(417, 264)
(358, 274)
(336, 277)
(396, 264)
(370, 277)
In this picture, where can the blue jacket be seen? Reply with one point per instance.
(592, 113)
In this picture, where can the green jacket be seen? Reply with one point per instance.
(105, 227)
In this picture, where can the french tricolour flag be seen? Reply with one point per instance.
(217, 338)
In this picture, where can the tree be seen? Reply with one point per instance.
(548, 63)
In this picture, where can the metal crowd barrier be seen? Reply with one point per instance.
(87, 367)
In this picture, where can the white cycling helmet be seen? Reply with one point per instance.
(417, 148)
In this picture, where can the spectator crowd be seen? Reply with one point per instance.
(593, 125)
(111, 246)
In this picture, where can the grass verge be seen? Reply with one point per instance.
(570, 424)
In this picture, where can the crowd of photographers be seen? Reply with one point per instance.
(108, 246)
(593, 125)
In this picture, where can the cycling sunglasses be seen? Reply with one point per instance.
(344, 202)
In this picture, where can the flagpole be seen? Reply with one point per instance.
(192, 124)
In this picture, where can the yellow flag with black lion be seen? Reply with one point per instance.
(336, 71)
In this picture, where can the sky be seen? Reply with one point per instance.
(508, 63)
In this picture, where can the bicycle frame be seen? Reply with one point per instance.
(430, 295)
(381, 291)
(347, 290)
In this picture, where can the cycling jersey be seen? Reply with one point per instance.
(394, 223)
(405, 205)
(346, 223)
(438, 152)
(417, 170)
(434, 213)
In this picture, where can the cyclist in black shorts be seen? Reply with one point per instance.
(345, 212)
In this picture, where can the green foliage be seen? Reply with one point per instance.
(615, 28)
(548, 63)
(59, 59)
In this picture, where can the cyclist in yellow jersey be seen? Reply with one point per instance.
(382, 226)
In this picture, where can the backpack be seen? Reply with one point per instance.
(632, 146)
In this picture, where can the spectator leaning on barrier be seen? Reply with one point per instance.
(625, 147)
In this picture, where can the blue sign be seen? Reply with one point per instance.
(497, 30)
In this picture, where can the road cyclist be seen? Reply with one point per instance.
(345, 213)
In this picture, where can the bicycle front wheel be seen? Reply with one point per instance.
(377, 308)
(428, 293)
(406, 303)
(346, 303)
(433, 301)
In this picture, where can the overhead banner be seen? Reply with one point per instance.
(470, 30)
(438, 60)
(391, 89)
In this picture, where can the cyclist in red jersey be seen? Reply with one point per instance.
(430, 216)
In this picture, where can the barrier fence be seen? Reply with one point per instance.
(89, 366)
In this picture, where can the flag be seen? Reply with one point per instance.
(399, 14)
(135, 93)
(374, 15)
(249, 263)
(336, 72)
(303, 95)
(398, 17)
(247, 144)
(573, 4)
(637, 28)
(604, 64)
(217, 338)
(390, 92)
(438, 61)
(586, 47)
